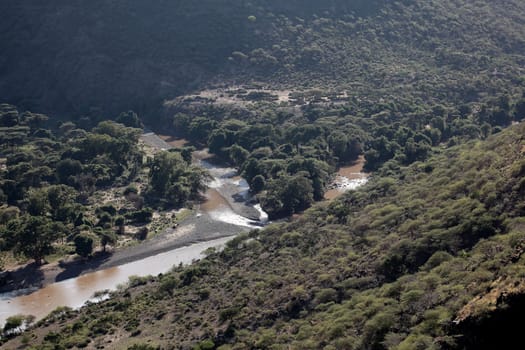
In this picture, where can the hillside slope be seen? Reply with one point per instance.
(74, 57)
(422, 260)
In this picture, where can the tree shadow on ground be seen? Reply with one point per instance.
(241, 198)
(76, 268)
(29, 276)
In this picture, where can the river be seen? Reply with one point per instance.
(75, 292)
(347, 178)
(227, 211)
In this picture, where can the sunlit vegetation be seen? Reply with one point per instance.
(427, 255)
(389, 266)
(51, 182)
(288, 158)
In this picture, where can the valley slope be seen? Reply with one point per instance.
(409, 261)
(427, 255)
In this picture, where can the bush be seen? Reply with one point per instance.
(130, 190)
(207, 344)
(326, 295)
(142, 233)
(79, 341)
(142, 216)
(13, 323)
(143, 347)
(168, 284)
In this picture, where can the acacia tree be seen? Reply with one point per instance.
(172, 179)
(106, 237)
(120, 222)
(83, 245)
(59, 198)
(34, 236)
(287, 195)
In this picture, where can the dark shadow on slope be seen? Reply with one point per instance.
(499, 329)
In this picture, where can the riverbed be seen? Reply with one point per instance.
(227, 211)
(75, 292)
(347, 178)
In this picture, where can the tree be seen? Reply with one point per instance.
(186, 153)
(107, 237)
(142, 233)
(287, 195)
(172, 179)
(200, 128)
(181, 123)
(104, 218)
(67, 168)
(338, 143)
(519, 110)
(8, 115)
(217, 141)
(197, 178)
(130, 119)
(8, 213)
(83, 245)
(34, 236)
(66, 127)
(120, 222)
(258, 183)
(164, 170)
(500, 117)
(250, 169)
(415, 151)
(379, 151)
(37, 202)
(238, 155)
(60, 199)
(34, 120)
(141, 216)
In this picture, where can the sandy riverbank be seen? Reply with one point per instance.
(197, 228)
(225, 213)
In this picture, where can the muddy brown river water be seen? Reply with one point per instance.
(220, 212)
(347, 178)
(76, 291)
(228, 203)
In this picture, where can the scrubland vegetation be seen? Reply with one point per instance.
(402, 263)
(67, 189)
(427, 255)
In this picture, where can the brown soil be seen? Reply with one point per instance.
(202, 154)
(332, 194)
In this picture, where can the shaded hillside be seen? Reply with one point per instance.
(72, 57)
(112, 54)
(68, 56)
(407, 262)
